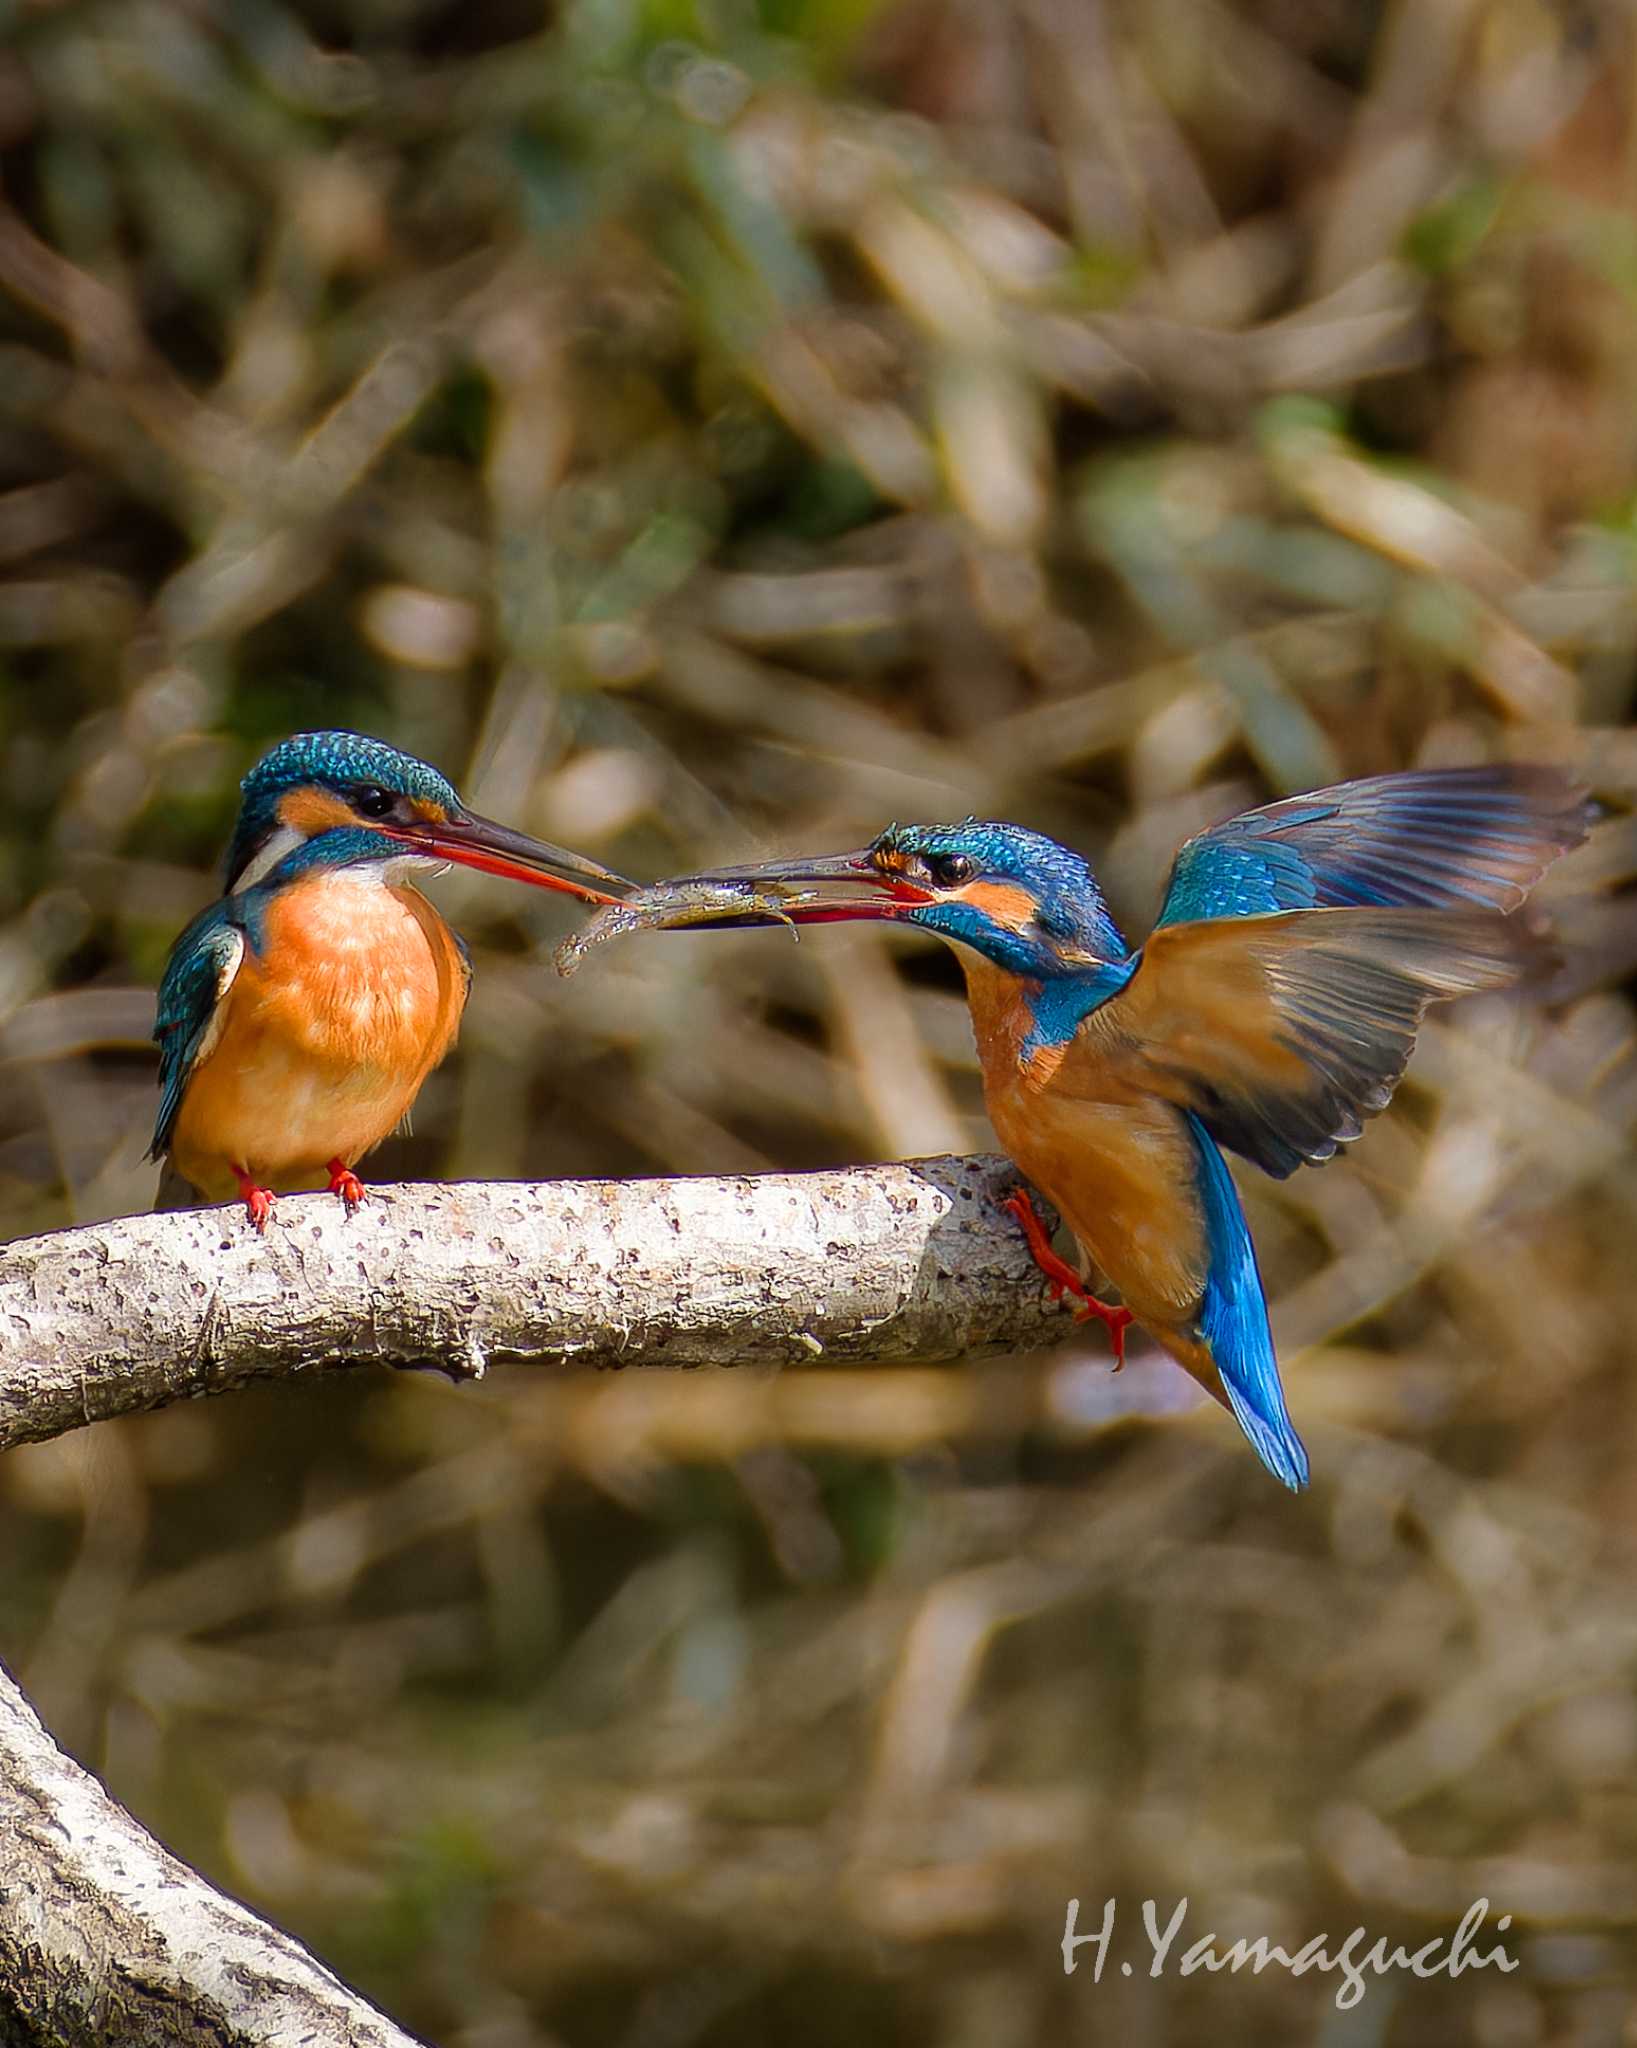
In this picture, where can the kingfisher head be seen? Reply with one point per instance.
(1023, 901)
(342, 799)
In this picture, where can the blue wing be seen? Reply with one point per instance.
(1433, 839)
(198, 975)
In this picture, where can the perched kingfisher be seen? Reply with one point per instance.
(1271, 1010)
(300, 1014)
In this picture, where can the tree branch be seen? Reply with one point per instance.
(863, 1265)
(105, 1937)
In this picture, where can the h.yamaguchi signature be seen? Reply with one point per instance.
(1354, 1956)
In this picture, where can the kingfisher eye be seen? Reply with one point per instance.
(374, 802)
(950, 870)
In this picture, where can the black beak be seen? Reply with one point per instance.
(474, 842)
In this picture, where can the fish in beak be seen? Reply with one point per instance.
(823, 890)
(827, 890)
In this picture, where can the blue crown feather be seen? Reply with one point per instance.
(1069, 907)
(340, 761)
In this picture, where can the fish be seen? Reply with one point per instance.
(677, 906)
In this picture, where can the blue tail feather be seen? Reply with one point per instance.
(1233, 1320)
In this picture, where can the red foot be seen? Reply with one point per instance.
(1062, 1279)
(258, 1201)
(345, 1183)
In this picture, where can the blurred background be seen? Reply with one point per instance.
(708, 426)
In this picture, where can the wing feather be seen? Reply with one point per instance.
(198, 975)
(1437, 839)
(1283, 1033)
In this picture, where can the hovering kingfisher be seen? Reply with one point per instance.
(300, 1014)
(1271, 1010)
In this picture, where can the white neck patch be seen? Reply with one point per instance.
(284, 841)
(391, 871)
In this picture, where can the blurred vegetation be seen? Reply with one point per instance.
(705, 425)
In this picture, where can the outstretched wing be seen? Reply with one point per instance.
(1440, 838)
(1283, 1033)
(198, 975)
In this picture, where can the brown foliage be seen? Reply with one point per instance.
(704, 429)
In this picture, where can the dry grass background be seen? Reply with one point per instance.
(703, 425)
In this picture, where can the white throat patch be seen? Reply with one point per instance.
(284, 841)
(392, 871)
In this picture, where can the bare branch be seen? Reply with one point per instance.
(106, 1938)
(863, 1265)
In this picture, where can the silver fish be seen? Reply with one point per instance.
(675, 906)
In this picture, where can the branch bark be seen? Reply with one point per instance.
(104, 1936)
(865, 1265)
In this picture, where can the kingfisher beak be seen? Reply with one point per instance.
(829, 889)
(474, 842)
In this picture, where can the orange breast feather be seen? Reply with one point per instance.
(1118, 1162)
(330, 1030)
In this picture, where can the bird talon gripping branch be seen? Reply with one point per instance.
(258, 1201)
(345, 1183)
(1062, 1279)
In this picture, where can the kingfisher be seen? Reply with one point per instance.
(301, 1012)
(1271, 1010)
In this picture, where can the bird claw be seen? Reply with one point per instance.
(345, 1183)
(1117, 1319)
(258, 1201)
(1061, 1278)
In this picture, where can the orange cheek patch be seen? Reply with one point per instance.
(429, 812)
(1008, 903)
(311, 811)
